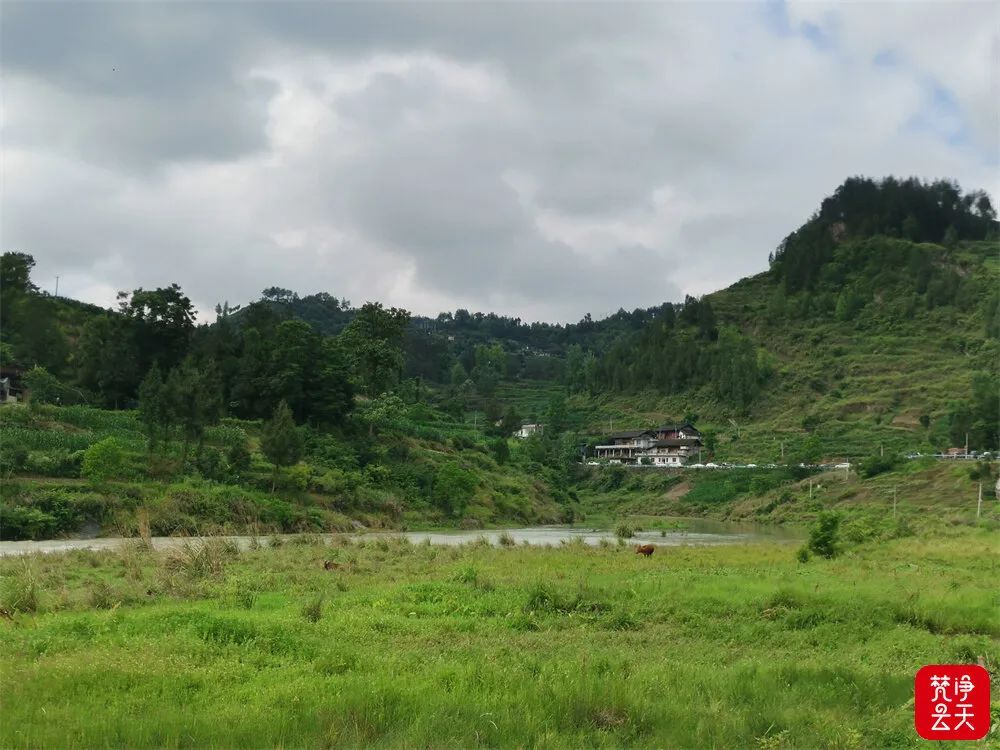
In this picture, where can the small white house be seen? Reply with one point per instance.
(527, 430)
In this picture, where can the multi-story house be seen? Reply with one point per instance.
(667, 445)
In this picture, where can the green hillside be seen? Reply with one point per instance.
(875, 332)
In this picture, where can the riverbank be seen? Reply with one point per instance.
(400, 644)
(682, 532)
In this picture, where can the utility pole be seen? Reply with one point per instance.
(881, 450)
(810, 488)
(966, 444)
(782, 451)
(979, 505)
(57, 285)
(894, 502)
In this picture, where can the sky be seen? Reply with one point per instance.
(540, 160)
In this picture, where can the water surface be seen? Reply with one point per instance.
(697, 531)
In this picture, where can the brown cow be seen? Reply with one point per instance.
(644, 549)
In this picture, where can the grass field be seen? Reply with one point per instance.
(421, 646)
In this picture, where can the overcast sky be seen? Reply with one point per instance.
(542, 160)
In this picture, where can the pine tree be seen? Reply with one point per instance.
(281, 441)
(153, 410)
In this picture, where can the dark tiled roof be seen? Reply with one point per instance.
(677, 442)
(686, 426)
(628, 434)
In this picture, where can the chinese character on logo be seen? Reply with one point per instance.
(952, 702)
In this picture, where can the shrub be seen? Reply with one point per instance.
(313, 610)
(453, 488)
(13, 457)
(506, 540)
(239, 458)
(824, 534)
(20, 591)
(803, 554)
(103, 460)
(624, 531)
(55, 463)
(102, 596)
(878, 465)
(18, 522)
(613, 477)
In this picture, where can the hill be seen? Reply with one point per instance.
(874, 332)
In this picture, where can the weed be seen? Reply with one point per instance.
(102, 596)
(312, 611)
(20, 591)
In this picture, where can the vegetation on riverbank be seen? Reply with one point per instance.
(403, 645)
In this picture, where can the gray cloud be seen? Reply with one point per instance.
(544, 160)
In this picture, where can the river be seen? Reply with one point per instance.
(695, 532)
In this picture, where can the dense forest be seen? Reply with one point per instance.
(936, 212)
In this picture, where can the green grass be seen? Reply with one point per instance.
(407, 646)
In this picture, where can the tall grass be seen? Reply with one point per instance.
(566, 647)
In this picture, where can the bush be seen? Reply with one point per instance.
(20, 591)
(18, 522)
(824, 534)
(313, 610)
(103, 460)
(239, 458)
(613, 477)
(453, 488)
(803, 554)
(55, 463)
(13, 458)
(878, 465)
(624, 531)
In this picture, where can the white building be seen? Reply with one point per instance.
(527, 430)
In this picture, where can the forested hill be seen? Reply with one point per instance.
(885, 304)
(881, 313)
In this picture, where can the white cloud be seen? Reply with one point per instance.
(543, 161)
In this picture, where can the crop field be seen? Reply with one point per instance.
(401, 645)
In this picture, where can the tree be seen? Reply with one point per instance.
(555, 415)
(281, 441)
(161, 322)
(511, 422)
(458, 375)
(501, 451)
(453, 488)
(384, 411)
(154, 406)
(824, 534)
(45, 388)
(15, 284)
(103, 460)
(373, 343)
(194, 396)
(108, 359)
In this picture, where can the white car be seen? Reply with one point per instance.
(842, 466)
(696, 466)
(711, 466)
